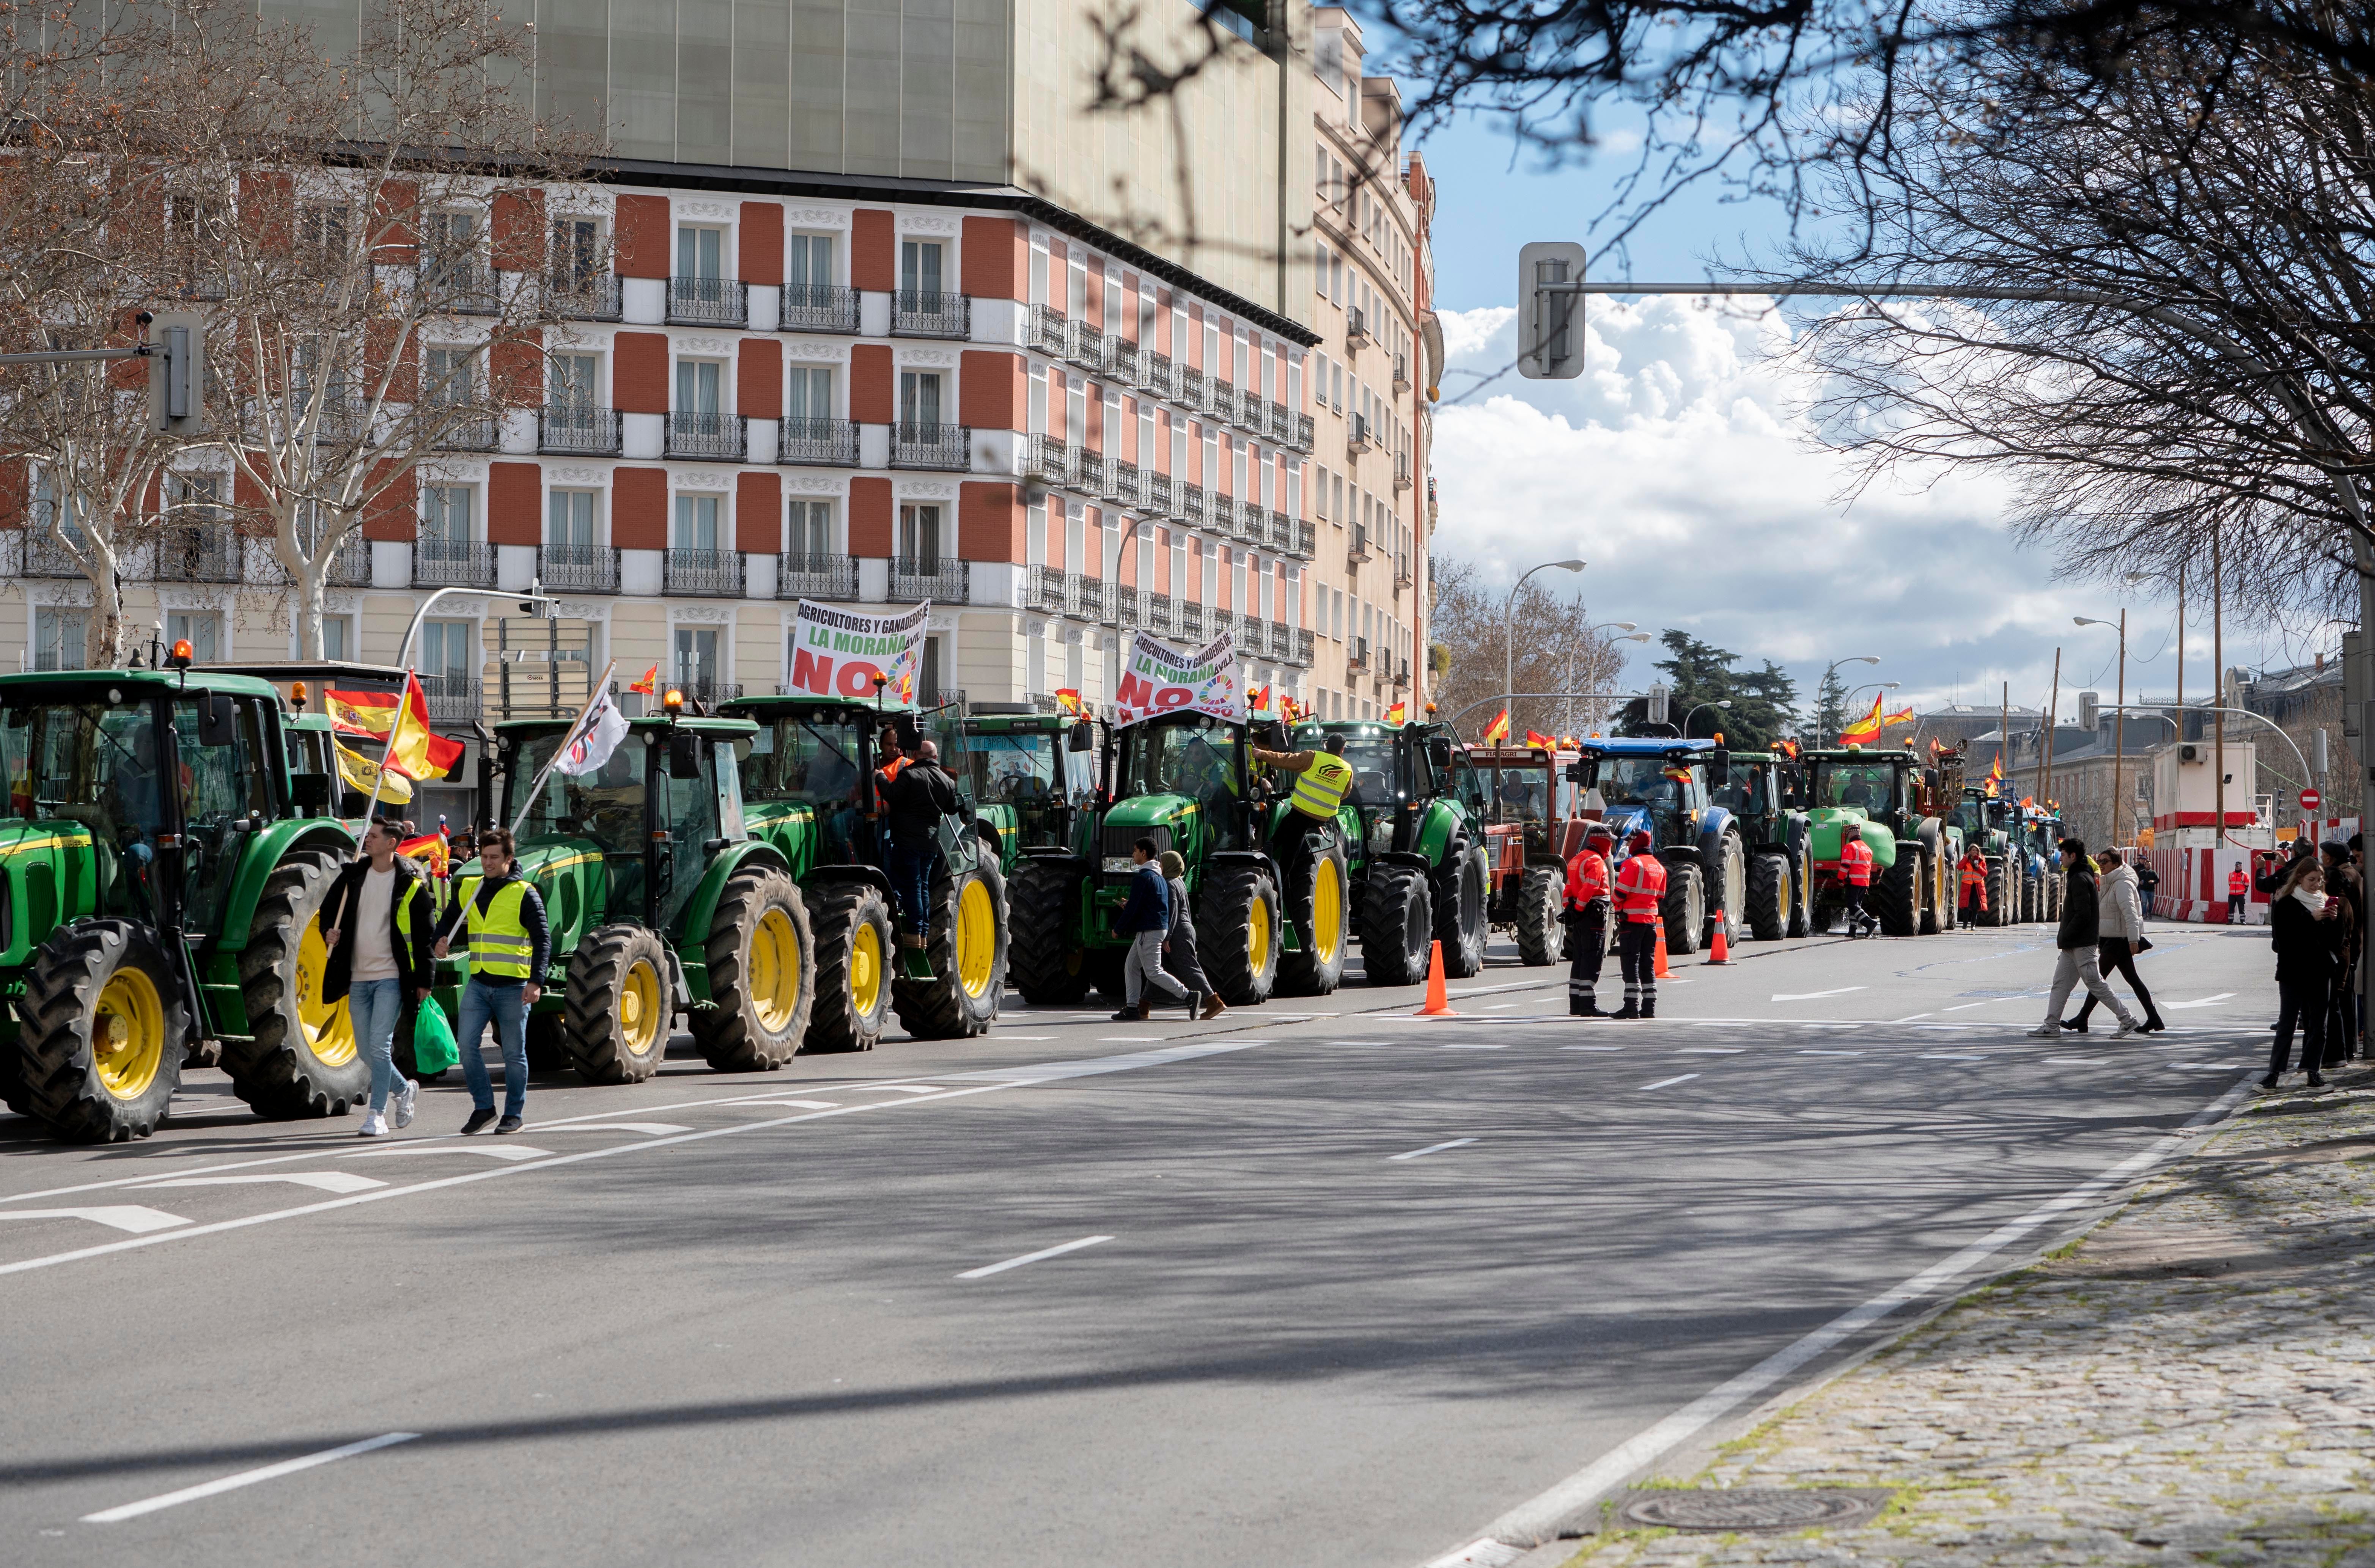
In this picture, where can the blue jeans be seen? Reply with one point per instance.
(372, 1006)
(910, 879)
(507, 1008)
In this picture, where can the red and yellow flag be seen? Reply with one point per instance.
(1537, 738)
(1865, 728)
(649, 686)
(1068, 699)
(1399, 714)
(1902, 716)
(431, 850)
(1498, 730)
(415, 751)
(1258, 698)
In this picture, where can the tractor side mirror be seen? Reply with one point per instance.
(1718, 768)
(1438, 752)
(310, 792)
(684, 756)
(1584, 771)
(217, 724)
(1083, 738)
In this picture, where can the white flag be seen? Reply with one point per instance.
(596, 735)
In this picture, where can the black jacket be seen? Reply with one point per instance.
(2304, 944)
(2081, 915)
(920, 796)
(414, 964)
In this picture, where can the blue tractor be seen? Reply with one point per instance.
(1662, 785)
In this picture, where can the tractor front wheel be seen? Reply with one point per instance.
(1768, 897)
(2000, 892)
(1396, 926)
(1462, 890)
(1732, 886)
(762, 961)
(1684, 909)
(100, 1034)
(618, 1005)
(1043, 953)
(1320, 907)
(1540, 893)
(1238, 931)
(1801, 903)
(301, 1058)
(1897, 893)
(851, 929)
(967, 953)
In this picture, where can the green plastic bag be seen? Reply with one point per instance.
(433, 1041)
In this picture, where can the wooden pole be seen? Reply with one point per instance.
(2045, 752)
(2119, 737)
(2004, 732)
(2217, 688)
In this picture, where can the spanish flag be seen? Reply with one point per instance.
(1537, 738)
(1865, 728)
(431, 850)
(1498, 730)
(1902, 716)
(1068, 699)
(650, 685)
(1258, 698)
(415, 752)
(362, 775)
(1399, 714)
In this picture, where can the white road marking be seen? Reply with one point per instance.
(1811, 1052)
(1003, 1035)
(1948, 1057)
(894, 1088)
(1474, 1045)
(1500, 1007)
(1962, 1008)
(117, 1216)
(2209, 1066)
(1591, 1047)
(246, 1477)
(1128, 1039)
(325, 1181)
(1810, 995)
(1033, 1258)
(1433, 1148)
(2072, 1061)
(1909, 1018)
(1708, 1051)
(1535, 1520)
(2204, 1002)
(1667, 1082)
(657, 1129)
(484, 1150)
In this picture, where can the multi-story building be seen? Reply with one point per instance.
(835, 351)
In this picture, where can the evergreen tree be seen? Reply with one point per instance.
(1763, 701)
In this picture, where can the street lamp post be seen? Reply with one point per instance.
(1725, 704)
(1509, 622)
(1631, 636)
(2119, 720)
(1834, 663)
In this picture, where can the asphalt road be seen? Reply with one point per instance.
(1342, 1285)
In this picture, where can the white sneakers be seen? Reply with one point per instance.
(2127, 1027)
(2046, 1031)
(407, 1097)
(374, 1126)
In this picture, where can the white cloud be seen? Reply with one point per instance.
(1677, 465)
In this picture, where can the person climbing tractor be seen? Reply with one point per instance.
(1974, 886)
(1855, 864)
(1321, 780)
(1586, 916)
(1640, 888)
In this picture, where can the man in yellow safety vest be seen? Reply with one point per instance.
(1321, 780)
(511, 944)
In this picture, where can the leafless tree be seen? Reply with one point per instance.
(1556, 650)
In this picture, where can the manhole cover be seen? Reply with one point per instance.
(1750, 1508)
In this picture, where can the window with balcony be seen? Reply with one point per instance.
(698, 424)
(579, 270)
(921, 439)
(322, 230)
(699, 671)
(813, 565)
(447, 553)
(574, 419)
(195, 542)
(453, 270)
(574, 560)
(810, 432)
(924, 307)
(920, 570)
(701, 559)
(700, 291)
(449, 658)
(61, 638)
(201, 629)
(456, 410)
(812, 301)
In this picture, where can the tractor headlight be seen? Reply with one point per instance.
(1122, 863)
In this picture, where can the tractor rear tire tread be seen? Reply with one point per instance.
(275, 1070)
(1044, 955)
(597, 972)
(1684, 909)
(1541, 936)
(1462, 891)
(939, 1008)
(1223, 917)
(1898, 891)
(1397, 925)
(54, 1080)
(731, 1036)
(1302, 972)
(1768, 909)
(843, 909)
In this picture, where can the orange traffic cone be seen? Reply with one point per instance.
(1721, 953)
(1438, 1002)
(1662, 972)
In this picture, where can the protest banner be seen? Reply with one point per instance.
(837, 652)
(1158, 678)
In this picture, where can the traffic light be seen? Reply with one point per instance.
(1659, 697)
(177, 372)
(2090, 710)
(1550, 335)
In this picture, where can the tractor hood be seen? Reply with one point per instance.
(1163, 817)
(1829, 823)
(1627, 821)
(47, 872)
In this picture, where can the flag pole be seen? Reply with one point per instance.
(395, 720)
(601, 690)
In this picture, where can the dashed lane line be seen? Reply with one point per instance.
(246, 1477)
(1667, 1082)
(1433, 1148)
(320, 1180)
(1040, 1256)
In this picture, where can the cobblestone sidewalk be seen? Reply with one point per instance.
(2192, 1382)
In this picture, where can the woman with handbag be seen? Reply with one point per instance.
(2300, 926)
(2120, 939)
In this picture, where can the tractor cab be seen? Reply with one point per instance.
(1028, 774)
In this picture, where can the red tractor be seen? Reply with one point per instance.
(1533, 823)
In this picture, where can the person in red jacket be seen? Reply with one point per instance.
(1855, 864)
(2239, 891)
(1586, 915)
(1975, 885)
(1640, 889)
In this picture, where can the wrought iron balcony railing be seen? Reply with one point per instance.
(719, 436)
(937, 578)
(830, 443)
(919, 314)
(708, 574)
(929, 447)
(589, 296)
(198, 552)
(816, 577)
(579, 569)
(452, 563)
(577, 429)
(1054, 462)
(817, 307)
(1051, 589)
(708, 302)
(462, 433)
(1049, 331)
(453, 698)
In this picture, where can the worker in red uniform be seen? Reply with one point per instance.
(2239, 892)
(1640, 889)
(1975, 885)
(1855, 864)
(1586, 915)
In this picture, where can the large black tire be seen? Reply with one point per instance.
(620, 1004)
(967, 955)
(1896, 892)
(1802, 899)
(1950, 901)
(1541, 893)
(1236, 932)
(1731, 890)
(1462, 889)
(100, 1034)
(1768, 897)
(851, 926)
(2000, 891)
(1397, 925)
(1044, 955)
(301, 1058)
(548, 1042)
(1319, 909)
(762, 961)
(1684, 909)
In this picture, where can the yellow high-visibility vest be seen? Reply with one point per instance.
(1319, 788)
(501, 945)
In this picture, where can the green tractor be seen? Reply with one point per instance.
(164, 870)
(1878, 795)
(1028, 774)
(1187, 781)
(1416, 859)
(1988, 825)
(659, 899)
(810, 790)
(1766, 794)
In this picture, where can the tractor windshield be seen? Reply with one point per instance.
(606, 806)
(1748, 795)
(1525, 793)
(94, 764)
(813, 757)
(1194, 754)
(1020, 768)
(1372, 757)
(1869, 786)
(1652, 782)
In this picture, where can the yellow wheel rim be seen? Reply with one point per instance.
(1257, 937)
(866, 970)
(127, 1035)
(1327, 911)
(976, 937)
(775, 972)
(329, 1031)
(640, 1015)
